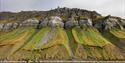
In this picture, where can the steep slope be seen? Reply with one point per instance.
(116, 37)
(61, 34)
(83, 44)
(47, 51)
(94, 45)
(15, 39)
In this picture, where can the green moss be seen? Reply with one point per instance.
(113, 39)
(83, 17)
(118, 33)
(72, 42)
(36, 38)
(59, 38)
(89, 37)
(79, 44)
(11, 34)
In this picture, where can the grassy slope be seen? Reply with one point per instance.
(36, 38)
(118, 33)
(23, 50)
(15, 39)
(89, 37)
(94, 46)
(77, 43)
(50, 50)
(116, 37)
(59, 38)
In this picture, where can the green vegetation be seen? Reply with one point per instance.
(76, 43)
(89, 36)
(59, 38)
(117, 40)
(118, 33)
(36, 38)
(15, 39)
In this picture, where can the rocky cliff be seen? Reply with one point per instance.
(61, 34)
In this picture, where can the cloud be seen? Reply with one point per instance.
(15, 5)
(105, 7)
(18, 5)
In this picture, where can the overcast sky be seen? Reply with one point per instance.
(104, 7)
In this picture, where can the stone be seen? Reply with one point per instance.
(43, 23)
(7, 26)
(122, 22)
(108, 23)
(1, 26)
(30, 22)
(15, 25)
(112, 22)
(85, 22)
(55, 21)
(47, 36)
(69, 24)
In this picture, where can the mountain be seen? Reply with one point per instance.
(61, 34)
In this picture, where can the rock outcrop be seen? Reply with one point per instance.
(107, 23)
(59, 17)
(11, 26)
(70, 24)
(47, 36)
(1, 26)
(122, 22)
(55, 22)
(85, 22)
(30, 22)
(7, 26)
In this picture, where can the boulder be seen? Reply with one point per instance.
(99, 25)
(122, 22)
(15, 25)
(55, 22)
(85, 22)
(1, 26)
(20, 24)
(7, 26)
(42, 23)
(30, 22)
(70, 24)
(111, 23)
(108, 23)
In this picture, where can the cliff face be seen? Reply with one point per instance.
(61, 34)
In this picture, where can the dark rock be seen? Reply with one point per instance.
(99, 25)
(70, 24)
(122, 22)
(15, 25)
(85, 22)
(43, 23)
(108, 23)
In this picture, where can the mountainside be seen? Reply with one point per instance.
(61, 34)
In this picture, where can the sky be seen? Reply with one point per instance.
(104, 7)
